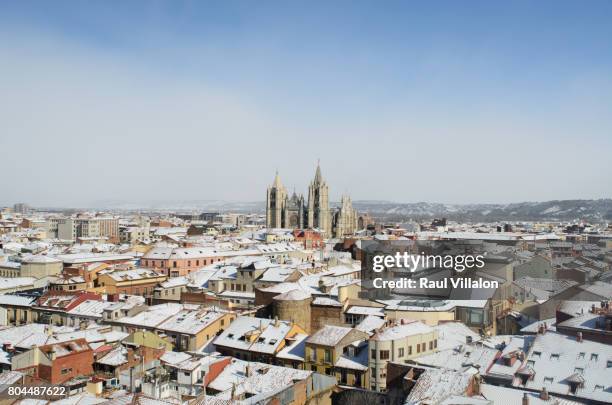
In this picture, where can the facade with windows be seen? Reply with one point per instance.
(398, 342)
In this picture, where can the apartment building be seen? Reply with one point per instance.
(398, 342)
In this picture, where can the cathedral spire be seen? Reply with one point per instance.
(277, 183)
(318, 179)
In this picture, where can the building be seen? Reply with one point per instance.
(345, 220)
(256, 339)
(56, 363)
(318, 213)
(135, 281)
(398, 342)
(340, 352)
(283, 211)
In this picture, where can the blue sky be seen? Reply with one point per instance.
(447, 101)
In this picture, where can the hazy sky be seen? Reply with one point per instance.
(458, 101)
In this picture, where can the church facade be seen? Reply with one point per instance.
(284, 211)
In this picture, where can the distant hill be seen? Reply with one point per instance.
(561, 210)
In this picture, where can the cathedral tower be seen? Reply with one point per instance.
(275, 204)
(318, 204)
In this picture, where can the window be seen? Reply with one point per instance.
(173, 264)
(594, 356)
(418, 348)
(409, 350)
(400, 352)
(431, 345)
(578, 370)
(423, 347)
(435, 343)
(554, 356)
(548, 380)
(384, 354)
(66, 370)
(373, 354)
(327, 356)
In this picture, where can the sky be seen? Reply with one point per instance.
(445, 101)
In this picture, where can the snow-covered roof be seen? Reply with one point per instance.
(329, 335)
(402, 330)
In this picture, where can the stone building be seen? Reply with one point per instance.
(345, 218)
(318, 204)
(284, 211)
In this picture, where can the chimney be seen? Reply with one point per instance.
(544, 394)
(525, 399)
(276, 322)
(579, 337)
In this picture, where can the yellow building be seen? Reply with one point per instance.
(340, 352)
(148, 339)
(398, 342)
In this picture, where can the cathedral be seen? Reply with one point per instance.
(284, 211)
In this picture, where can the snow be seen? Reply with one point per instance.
(329, 335)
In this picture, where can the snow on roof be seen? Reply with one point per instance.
(329, 335)
(293, 295)
(534, 326)
(254, 378)
(509, 345)
(453, 334)
(357, 361)
(16, 282)
(295, 350)
(17, 300)
(370, 323)
(460, 358)
(40, 259)
(254, 334)
(174, 282)
(114, 336)
(10, 377)
(76, 258)
(276, 274)
(326, 301)
(174, 357)
(90, 308)
(361, 310)
(402, 330)
(555, 358)
(512, 396)
(115, 357)
(133, 274)
(82, 398)
(152, 316)
(190, 322)
(435, 384)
